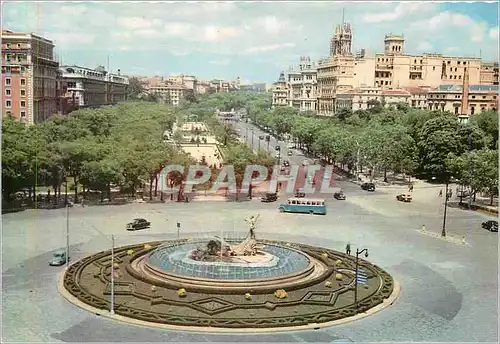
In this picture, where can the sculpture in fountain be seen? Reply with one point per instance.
(218, 250)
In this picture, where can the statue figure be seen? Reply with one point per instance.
(251, 221)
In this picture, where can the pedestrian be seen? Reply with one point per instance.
(410, 188)
(348, 249)
(441, 193)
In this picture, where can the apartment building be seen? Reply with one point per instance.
(85, 87)
(489, 74)
(301, 84)
(148, 82)
(280, 92)
(170, 93)
(29, 77)
(188, 81)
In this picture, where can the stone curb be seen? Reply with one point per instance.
(396, 292)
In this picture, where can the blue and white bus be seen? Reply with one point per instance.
(304, 205)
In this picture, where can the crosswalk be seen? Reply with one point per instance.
(362, 277)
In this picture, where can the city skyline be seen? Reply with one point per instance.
(254, 41)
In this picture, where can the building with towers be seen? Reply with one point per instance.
(395, 70)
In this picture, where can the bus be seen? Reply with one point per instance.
(304, 205)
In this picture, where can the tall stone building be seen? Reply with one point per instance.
(280, 92)
(302, 86)
(29, 77)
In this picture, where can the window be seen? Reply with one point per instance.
(23, 114)
(23, 82)
(7, 81)
(8, 104)
(8, 45)
(23, 93)
(472, 110)
(19, 45)
(23, 103)
(7, 92)
(473, 97)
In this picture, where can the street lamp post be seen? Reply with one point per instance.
(443, 230)
(278, 156)
(358, 252)
(252, 138)
(67, 236)
(112, 310)
(112, 301)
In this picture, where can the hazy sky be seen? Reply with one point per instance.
(252, 40)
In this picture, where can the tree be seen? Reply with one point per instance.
(487, 121)
(344, 114)
(134, 88)
(437, 138)
(478, 169)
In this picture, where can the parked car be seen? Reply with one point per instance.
(368, 186)
(269, 197)
(491, 225)
(137, 224)
(404, 197)
(58, 259)
(300, 193)
(339, 195)
(289, 153)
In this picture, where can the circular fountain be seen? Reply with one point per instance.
(227, 283)
(211, 263)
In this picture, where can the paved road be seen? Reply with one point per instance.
(449, 291)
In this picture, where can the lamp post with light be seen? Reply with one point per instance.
(358, 252)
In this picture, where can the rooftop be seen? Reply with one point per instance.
(472, 88)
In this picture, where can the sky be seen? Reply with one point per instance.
(252, 40)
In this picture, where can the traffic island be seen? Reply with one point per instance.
(311, 287)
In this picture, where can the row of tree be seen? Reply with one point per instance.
(422, 143)
(95, 149)
(122, 146)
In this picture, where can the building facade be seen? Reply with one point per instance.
(84, 87)
(301, 86)
(280, 92)
(489, 74)
(170, 93)
(450, 98)
(393, 69)
(29, 77)
(365, 97)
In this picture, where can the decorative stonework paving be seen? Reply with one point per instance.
(89, 281)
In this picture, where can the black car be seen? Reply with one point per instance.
(368, 186)
(300, 193)
(490, 225)
(138, 224)
(269, 197)
(339, 195)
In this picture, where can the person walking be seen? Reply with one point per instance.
(348, 249)
(441, 193)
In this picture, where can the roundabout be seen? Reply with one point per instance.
(280, 286)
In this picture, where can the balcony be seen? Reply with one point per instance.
(384, 67)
